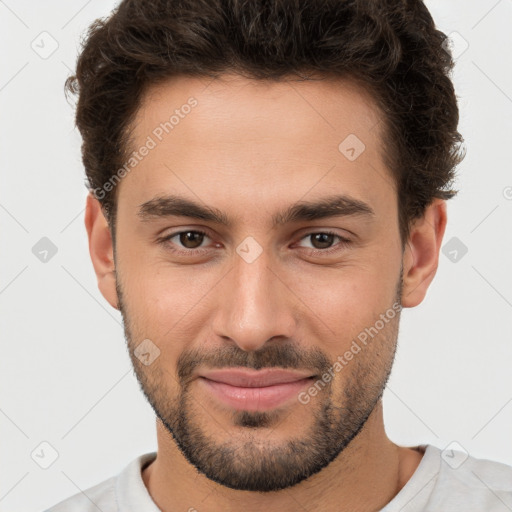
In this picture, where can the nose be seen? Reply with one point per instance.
(254, 304)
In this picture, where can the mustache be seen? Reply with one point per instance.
(272, 355)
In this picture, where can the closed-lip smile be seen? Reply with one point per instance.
(254, 390)
(242, 377)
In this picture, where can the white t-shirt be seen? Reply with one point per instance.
(447, 481)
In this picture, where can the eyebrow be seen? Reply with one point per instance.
(331, 206)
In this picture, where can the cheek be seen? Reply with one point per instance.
(153, 286)
(168, 304)
(341, 296)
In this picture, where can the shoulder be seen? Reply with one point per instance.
(451, 479)
(99, 497)
(114, 494)
(474, 483)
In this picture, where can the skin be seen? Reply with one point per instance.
(251, 149)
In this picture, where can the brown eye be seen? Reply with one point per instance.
(185, 242)
(191, 239)
(322, 240)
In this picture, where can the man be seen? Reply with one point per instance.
(268, 184)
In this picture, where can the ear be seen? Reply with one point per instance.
(101, 249)
(421, 255)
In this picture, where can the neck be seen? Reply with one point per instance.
(365, 476)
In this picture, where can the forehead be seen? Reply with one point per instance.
(315, 106)
(236, 136)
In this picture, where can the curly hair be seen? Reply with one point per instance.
(392, 47)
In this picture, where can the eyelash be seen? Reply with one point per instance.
(341, 244)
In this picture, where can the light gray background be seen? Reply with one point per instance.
(66, 376)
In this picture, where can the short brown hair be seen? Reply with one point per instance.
(391, 46)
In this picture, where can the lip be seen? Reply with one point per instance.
(254, 390)
(240, 377)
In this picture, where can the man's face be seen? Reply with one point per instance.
(252, 293)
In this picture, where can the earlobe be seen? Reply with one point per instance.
(101, 250)
(421, 257)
